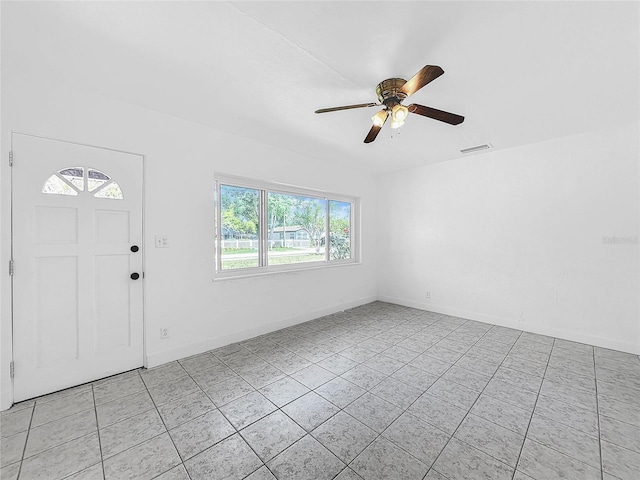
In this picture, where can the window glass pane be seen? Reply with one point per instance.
(340, 230)
(240, 234)
(56, 186)
(111, 191)
(75, 176)
(295, 227)
(95, 179)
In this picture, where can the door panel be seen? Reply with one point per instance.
(56, 225)
(77, 313)
(112, 226)
(57, 310)
(113, 320)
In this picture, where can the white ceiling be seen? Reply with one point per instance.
(520, 72)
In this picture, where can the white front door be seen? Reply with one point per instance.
(77, 252)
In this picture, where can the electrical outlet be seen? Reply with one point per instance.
(162, 241)
(427, 295)
(164, 333)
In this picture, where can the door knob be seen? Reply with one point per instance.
(134, 248)
(135, 276)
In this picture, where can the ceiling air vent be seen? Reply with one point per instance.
(477, 148)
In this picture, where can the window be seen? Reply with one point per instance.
(287, 215)
(72, 181)
(240, 227)
(339, 230)
(263, 227)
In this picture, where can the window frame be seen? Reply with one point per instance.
(264, 188)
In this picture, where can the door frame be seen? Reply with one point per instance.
(7, 343)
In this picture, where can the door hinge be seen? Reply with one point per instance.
(11, 370)
(11, 267)
(11, 158)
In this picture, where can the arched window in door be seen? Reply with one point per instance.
(81, 181)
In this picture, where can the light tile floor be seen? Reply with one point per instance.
(377, 392)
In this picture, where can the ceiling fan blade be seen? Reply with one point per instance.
(346, 107)
(436, 114)
(373, 133)
(420, 79)
(375, 129)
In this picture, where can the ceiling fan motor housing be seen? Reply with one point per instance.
(388, 91)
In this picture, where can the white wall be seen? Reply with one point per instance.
(181, 158)
(515, 237)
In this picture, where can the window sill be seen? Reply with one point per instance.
(237, 275)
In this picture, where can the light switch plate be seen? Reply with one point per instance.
(162, 241)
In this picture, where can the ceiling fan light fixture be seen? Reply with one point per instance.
(396, 123)
(379, 118)
(399, 113)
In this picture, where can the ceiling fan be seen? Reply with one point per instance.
(391, 92)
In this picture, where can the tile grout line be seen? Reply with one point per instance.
(237, 432)
(278, 408)
(165, 427)
(379, 435)
(125, 450)
(426, 391)
(95, 411)
(120, 421)
(440, 376)
(51, 401)
(24, 448)
(595, 376)
(406, 410)
(551, 447)
(340, 409)
(120, 399)
(475, 401)
(54, 446)
(533, 411)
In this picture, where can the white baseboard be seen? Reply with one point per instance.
(159, 358)
(541, 330)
